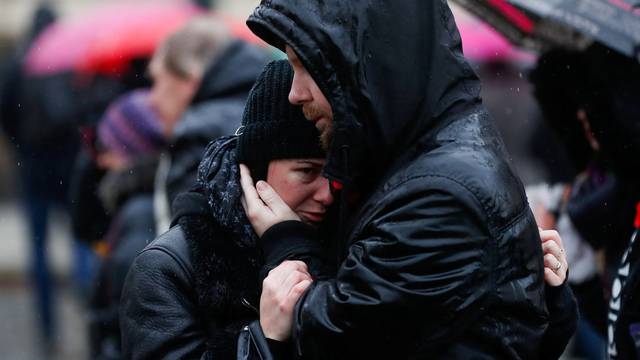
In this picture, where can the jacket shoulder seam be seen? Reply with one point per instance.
(416, 177)
(172, 255)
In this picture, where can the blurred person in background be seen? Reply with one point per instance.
(130, 139)
(614, 118)
(597, 121)
(201, 77)
(38, 115)
(561, 74)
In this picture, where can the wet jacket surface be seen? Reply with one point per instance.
(439, 256)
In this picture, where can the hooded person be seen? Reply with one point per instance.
(439, 255)
(191, 291)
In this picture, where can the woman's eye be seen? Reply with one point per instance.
(308, 171)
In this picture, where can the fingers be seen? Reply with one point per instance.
(546, 235)
(251, 198)
(286, 283)
(555, 271)
(282, 288)
(296, 292)
(244, 203)
(278, 276)
(294, 278)
(271, 198)
(551, 262)
(552, 278)
(551, 247)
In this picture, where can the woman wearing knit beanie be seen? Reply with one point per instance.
(193, 289)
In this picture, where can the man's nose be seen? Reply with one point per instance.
(299, 94)
(323, 195)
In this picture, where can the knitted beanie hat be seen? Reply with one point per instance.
(272, 128)
(130, 127)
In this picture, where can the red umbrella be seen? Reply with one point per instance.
(481, 43)
(106, 39)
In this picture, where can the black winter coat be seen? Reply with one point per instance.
(440, 257)
(192, 289)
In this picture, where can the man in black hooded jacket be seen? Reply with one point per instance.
(439, 255)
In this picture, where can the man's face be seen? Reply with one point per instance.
(315, 106)
(170, 94)
(300, 184)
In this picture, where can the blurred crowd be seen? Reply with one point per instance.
(114, 144)
(115, 139)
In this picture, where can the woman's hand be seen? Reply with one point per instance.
(555, 259)
(263, 206)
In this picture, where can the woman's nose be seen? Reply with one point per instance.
(323, 195)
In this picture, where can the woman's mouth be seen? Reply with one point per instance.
(314, 217)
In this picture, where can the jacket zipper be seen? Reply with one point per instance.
(248, 305)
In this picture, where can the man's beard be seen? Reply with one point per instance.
(325, 126)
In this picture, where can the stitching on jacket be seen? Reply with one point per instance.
(491, 294)
(171, 254)
(416, 177)
(522, 212)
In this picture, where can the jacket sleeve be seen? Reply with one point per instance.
(563, 315)
(416, 268)
(158, 310)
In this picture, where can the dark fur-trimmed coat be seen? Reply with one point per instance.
(190, 292)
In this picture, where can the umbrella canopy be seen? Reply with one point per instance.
(481, 43)
(107, 38)
(542, 24)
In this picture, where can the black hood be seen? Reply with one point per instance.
(391, 69)
(232, 73)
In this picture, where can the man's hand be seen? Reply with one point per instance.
(281, 290)
(263, 206)
(555, 259)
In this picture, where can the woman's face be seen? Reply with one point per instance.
(301, 186)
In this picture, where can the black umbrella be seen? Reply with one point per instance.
(575, 24)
